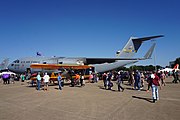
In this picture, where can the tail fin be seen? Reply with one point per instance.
(176, 67)
(133, 46)
(150, 51)
(4, 64)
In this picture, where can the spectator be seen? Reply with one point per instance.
(155, 84)
(46, 81)
(38, 81)
(119, 82)
(137, 80)
(59, 81)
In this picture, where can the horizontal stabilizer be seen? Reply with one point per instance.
(138, 41)
(148, 38)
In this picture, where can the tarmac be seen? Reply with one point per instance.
(19, 101)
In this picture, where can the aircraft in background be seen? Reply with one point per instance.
(7, 72)
(125, 57)
(4, 64)
(176, 68)
(4, 69)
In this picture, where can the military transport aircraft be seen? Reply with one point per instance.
(125, 57)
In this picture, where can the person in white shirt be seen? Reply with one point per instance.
(38, 81)
(46, 81)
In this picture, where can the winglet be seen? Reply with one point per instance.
(150, 51)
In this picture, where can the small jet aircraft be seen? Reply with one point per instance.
(47, 64)
(176, 68)
(7, 72)
(4, 69)
(4, 64)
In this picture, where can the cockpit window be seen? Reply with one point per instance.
(16, 61)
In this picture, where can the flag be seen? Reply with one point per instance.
(38, 54)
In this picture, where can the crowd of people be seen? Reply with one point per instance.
(11, 78)
(44, 79)
(7, 78)
(136, 79)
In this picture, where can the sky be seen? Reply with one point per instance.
(88, 28)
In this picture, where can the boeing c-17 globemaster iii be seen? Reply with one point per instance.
(124, 57)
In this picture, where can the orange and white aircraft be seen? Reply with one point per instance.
(53, 77)
(176, 68)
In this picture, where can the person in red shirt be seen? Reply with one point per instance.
(155, 84)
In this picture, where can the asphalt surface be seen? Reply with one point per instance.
(19, 101)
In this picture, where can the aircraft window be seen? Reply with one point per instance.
(35, 62)
(60, 62)
(44, 62)
(22, 61)
(27, 61)
(12, 64)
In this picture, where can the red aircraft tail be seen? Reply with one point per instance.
(176, 67)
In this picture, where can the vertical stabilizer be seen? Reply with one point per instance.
(128, 51)
(176, 67)
(133, 46)
(4, 64)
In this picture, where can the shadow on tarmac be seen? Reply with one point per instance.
(171, 82)
(102, 87)
(143, 98)
(134, 89)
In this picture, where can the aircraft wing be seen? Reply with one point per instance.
(57, 66)
(111, 60)
(107, 60)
